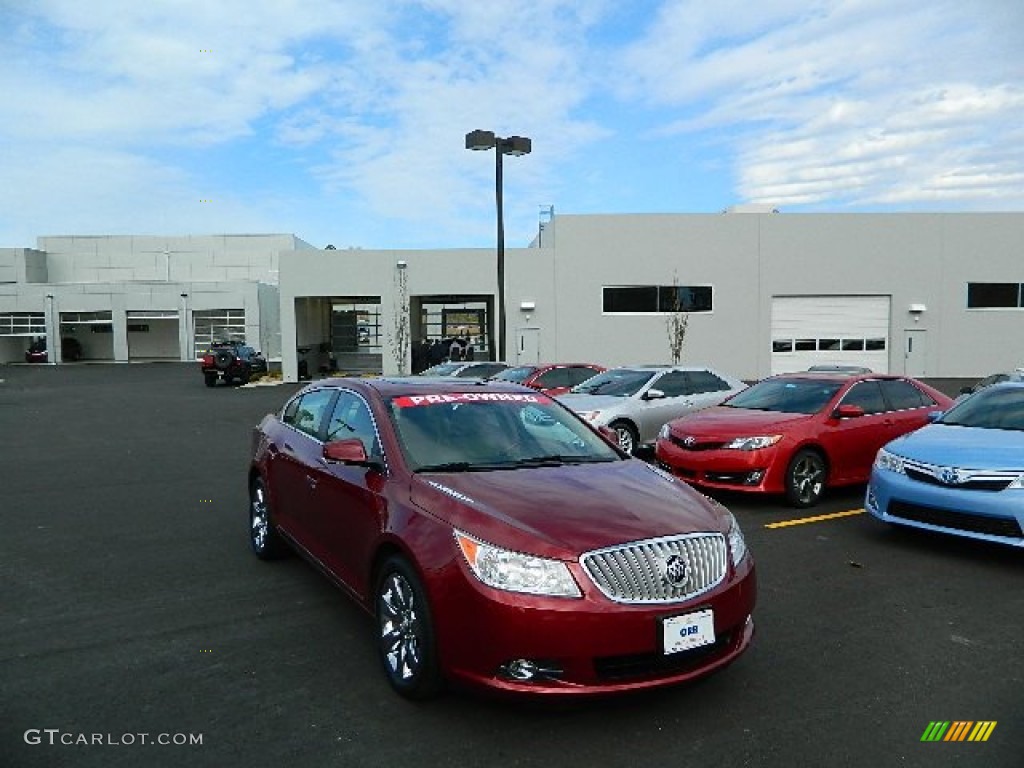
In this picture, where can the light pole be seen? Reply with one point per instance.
(515, 146)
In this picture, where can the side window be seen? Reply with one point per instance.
(705, 381)
(902, 395)
(288, 416)
(309, 412)
(866, 394)
(351, 418)
(673, 384)
(581, 374)
(556, 377)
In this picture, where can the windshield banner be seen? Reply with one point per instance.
(410, 401)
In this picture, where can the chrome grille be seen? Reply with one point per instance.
(959, 479)
(636, 572)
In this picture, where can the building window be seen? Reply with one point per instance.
(22, 323)
(995, 295)
(853, 344)
(655, 299)
(217, 325)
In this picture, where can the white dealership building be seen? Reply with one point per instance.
(926, 294)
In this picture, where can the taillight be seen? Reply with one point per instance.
(207, 360)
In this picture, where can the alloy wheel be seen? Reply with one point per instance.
(400, 629)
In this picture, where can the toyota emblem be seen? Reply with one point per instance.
(950, 476)
(689, 441)
(677, 573)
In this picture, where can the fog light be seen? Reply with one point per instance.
(525, 670)
(753, 478)
(872, 502)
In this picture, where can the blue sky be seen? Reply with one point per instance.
(343, 121)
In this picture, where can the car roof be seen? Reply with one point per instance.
(661, 367)
(395, 386)
(833, 376)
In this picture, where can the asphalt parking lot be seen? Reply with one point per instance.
(131, 605)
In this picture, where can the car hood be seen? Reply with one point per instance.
(963, 447)
(721, 421)
(578, 402)
(564, 511)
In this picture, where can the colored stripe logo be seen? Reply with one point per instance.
(958, 730)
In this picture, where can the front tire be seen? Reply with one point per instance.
(265, 541)
(805, 479)
(406, 642)
(627, 436)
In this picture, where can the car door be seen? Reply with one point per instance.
(852, 442)
(660, 411)
(347, 502)
(910, 406)
(294, 453)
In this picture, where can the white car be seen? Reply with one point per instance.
(635, 401)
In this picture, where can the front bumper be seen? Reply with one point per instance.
(996, 516)
(759, 471)
(582, 646)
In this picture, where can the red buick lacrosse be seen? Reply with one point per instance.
(500, 542)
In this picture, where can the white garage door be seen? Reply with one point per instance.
(839, 330)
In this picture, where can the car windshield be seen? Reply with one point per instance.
(995, 407)
(786, 395)
(517, 375)
(442, 369)
(485, 431)
(620, 382)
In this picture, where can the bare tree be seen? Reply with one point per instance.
(675, 323)
(401, 332)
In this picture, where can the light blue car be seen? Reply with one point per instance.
(963, 474)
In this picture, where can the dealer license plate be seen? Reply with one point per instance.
(682, 633)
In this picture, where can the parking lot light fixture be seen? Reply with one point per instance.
(515, 146)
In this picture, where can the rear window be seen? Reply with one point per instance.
(518, 375)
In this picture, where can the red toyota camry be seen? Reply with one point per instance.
(499, 541)
(796, 433)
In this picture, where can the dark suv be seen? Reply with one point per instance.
(229, 360)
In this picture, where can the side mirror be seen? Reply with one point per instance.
(653, 394)
(349, 451)
(848, 412)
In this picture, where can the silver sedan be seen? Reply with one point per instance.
(636, 401)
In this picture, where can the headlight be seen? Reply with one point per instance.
(753, 443)
(516, 572)
(889, 461)
(737, 544)
(664, 433)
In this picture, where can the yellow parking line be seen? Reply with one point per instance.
(815, 519)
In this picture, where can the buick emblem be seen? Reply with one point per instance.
(677, 572)
(950, 476)
(689, 441)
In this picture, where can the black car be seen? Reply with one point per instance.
(231, 361)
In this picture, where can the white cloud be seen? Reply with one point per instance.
(358, 109)
(916, 94)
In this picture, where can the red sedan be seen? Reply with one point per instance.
(499, 541)
(796, 433)
(550, 378)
